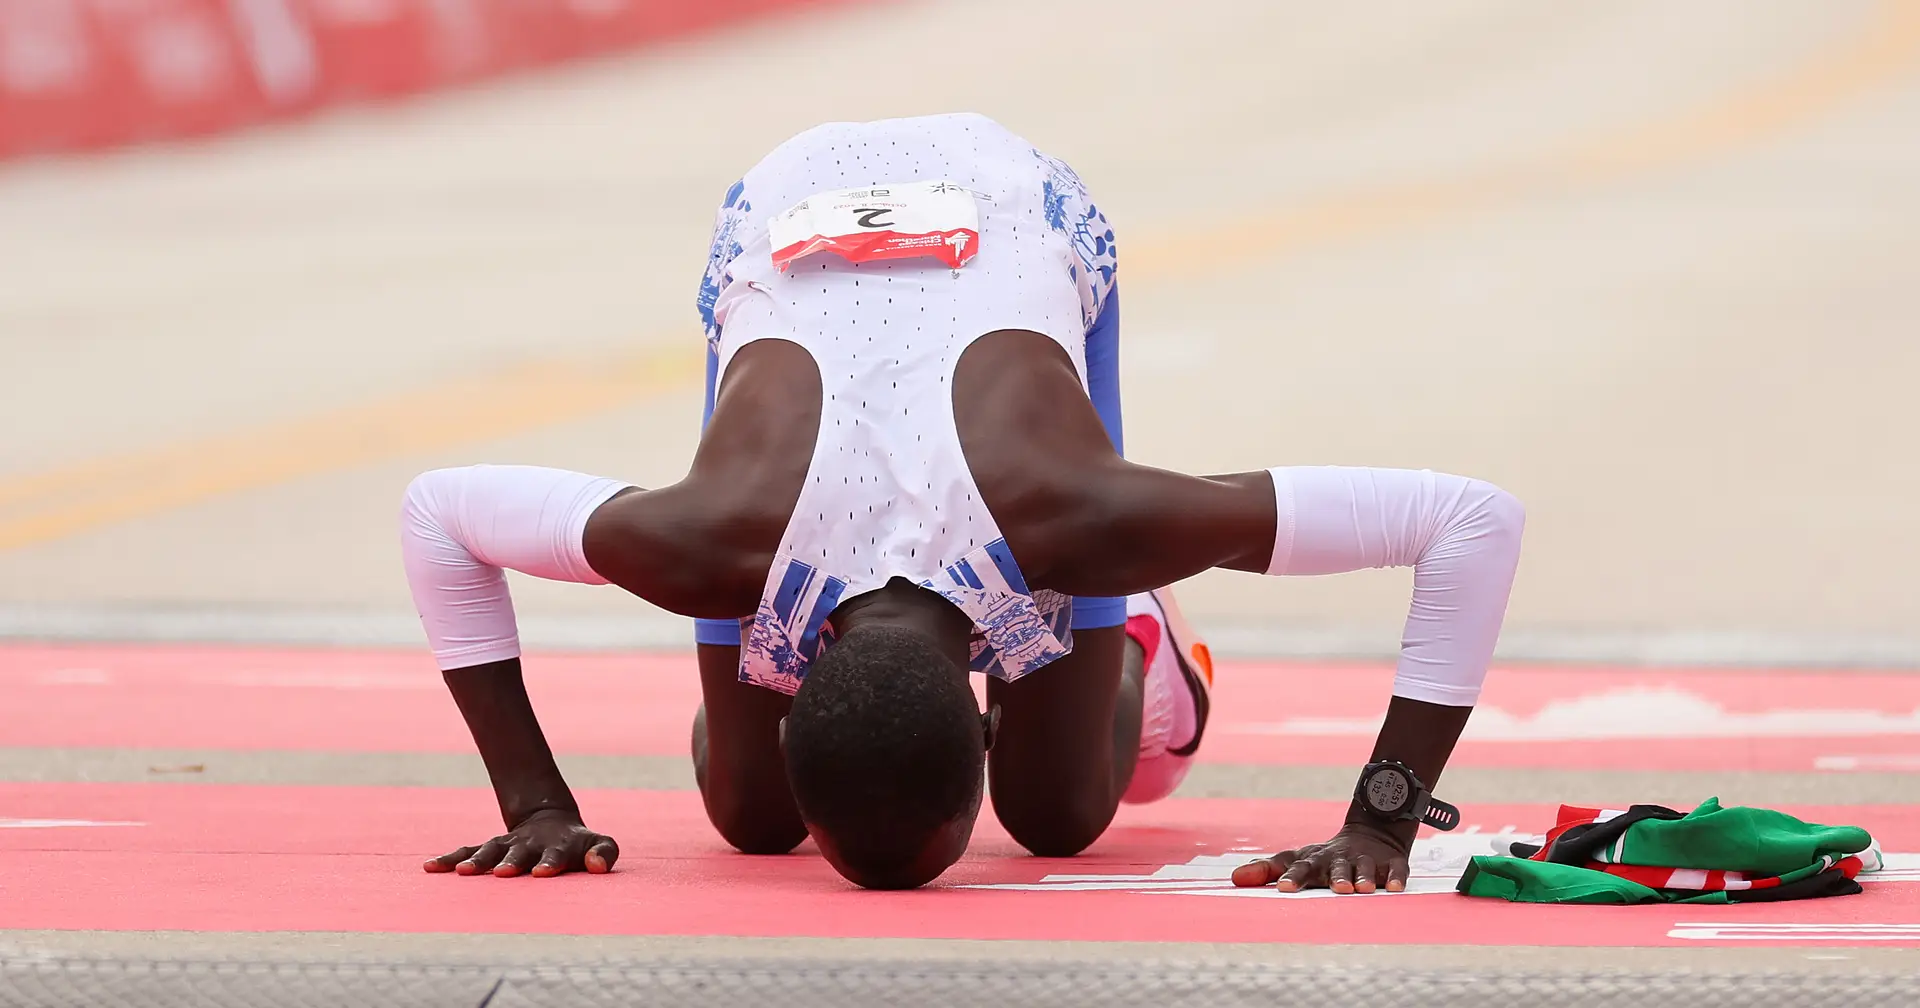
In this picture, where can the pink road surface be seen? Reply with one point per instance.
(1298, 713)
(215, 858)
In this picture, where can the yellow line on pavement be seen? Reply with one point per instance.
(45, 506)
(464, 412)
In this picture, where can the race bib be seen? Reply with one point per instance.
(894, 221)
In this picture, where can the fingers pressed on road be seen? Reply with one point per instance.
(1366, 874)
(447, 861)
(553, 863)
(1340, 876)
(1298, 875)
(483, 860)
(1254, 874)
(602, 855)
(1397, 873)
(518, 860)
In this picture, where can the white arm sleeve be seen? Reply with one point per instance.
(1461, 537)
(460, 527)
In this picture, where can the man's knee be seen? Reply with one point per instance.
(1052, 825)
(753, 811)
(752, 828)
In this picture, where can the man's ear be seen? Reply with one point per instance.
(989, 725)
(783, 736)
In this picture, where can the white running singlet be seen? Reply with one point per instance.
(888, 492)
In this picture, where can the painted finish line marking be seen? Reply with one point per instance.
(1435, 869)
(1870, 762)
(1634, 712)
(1796, 932)
(6, 823)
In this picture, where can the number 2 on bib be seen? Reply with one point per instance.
(904, 220)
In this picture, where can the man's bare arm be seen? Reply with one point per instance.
(545, 835)
(1461, 537)
(460, 530)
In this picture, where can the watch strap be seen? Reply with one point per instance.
(1440, 815)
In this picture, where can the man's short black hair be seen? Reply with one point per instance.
(885, 753)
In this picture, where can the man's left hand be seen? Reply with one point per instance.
(1359, 859)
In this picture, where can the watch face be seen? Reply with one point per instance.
(1388, 791)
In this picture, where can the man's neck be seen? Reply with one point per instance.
(901, 603)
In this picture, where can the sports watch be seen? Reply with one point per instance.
(1390, 791)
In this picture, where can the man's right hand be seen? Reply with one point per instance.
(545, 844)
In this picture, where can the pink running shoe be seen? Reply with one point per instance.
(1178, 688)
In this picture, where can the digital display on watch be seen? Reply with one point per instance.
(1390, 790)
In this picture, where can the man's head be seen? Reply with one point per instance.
(885, 750)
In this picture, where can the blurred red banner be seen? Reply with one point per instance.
(77, 74)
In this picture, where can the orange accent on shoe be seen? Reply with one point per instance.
(1203, 660)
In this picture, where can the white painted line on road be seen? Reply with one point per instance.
(1633, 712)
(6, 823)
(1709, 931)
(1869, 761)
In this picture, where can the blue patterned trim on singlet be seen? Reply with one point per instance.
(724, 249)
(1015, 631)
(1071, 211)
